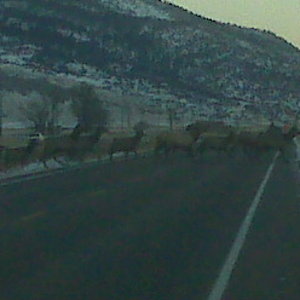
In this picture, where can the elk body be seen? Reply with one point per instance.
(19, 156)
(184, 141)
(273, 139)
(217, 137)
(74, 146)
(85, 143)
(215, 143)
(126, 144)
(55, 147)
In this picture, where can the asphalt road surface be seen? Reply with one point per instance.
(150, 228)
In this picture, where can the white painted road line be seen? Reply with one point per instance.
(226, 271)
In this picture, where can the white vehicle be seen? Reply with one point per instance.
(36, 136)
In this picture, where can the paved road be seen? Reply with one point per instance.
(150, 229)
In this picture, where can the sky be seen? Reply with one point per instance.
(280, 16)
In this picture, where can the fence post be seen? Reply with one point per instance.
(1, 112)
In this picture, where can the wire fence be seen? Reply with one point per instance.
(19, 137)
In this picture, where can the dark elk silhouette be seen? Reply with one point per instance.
(19, 156)
(184, 141)
(273, 139)
(72, 147)
(217, 137)
(128, 144)
(85, 144)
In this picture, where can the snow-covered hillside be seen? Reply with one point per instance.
(137, 8)
(221, 70)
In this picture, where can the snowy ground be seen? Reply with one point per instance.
(137, 8)
(32, 168)
(36, 168)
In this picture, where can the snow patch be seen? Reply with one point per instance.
(31, 168)
(136, 8)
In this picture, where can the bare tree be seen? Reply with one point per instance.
(126, 105)
(44, 106)
(88, 107)
(1, 101)
(173, 113)
(57, 97)
(1, 111)
(141, 126)
(127, 110)
(37, 111)
(143, 111)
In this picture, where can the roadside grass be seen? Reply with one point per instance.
(13, 141)
(12, 159)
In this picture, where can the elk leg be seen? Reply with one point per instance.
(284, 155)
(167, 151)
(59, 161)
(191, 153)
(157, 150)
(111, 153)
(45, 164)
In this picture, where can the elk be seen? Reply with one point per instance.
(20, 155)
(73, 146)
(217, 137)
(85, 144)
(185, 141)
(55, 147)
(272, 139)
(126, 144)
(218, 143)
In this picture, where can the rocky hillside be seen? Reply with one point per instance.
(219, 69)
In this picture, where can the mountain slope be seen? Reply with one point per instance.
(193, 57)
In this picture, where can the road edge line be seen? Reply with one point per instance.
(223, 278)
